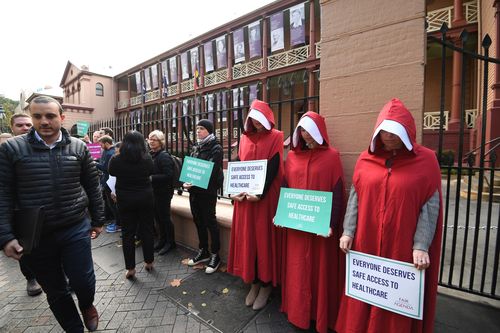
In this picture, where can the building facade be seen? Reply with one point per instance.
(87, 96)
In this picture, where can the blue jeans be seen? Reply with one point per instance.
(65, 249)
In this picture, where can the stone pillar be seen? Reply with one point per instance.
(458, 20)
(263, 37)
(368, 57)
(493, 113)
(311, 102)
(312, 31)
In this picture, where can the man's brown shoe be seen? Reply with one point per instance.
(90, 318)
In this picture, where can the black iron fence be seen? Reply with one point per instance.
(288, 95)
(471, 188)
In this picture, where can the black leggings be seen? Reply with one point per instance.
(137, 216)
(203, 210)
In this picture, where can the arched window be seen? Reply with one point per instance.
(99, 89)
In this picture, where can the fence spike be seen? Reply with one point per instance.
(486, 41)
(444, 28)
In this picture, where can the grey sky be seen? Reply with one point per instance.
(39, 37)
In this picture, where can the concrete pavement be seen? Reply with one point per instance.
(140, 306)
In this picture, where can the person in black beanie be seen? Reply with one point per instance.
(203, 201)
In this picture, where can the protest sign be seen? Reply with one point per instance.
(82, 127)
(305, 210)
(389, 284)
(95, 150)
(246, 176)
(196, 171)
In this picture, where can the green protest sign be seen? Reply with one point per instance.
(196, 171)
(305, 210)
(82, 127)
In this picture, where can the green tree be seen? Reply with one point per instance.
(8, 106)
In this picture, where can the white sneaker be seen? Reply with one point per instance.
(213, 264)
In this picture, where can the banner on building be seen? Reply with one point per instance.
(239, 45)
(147, 79)
(209, 56)
(220, 45)
(210, 107)
(174, 114)
(164, 77)
(154, 76)
(138, 82)
(254, 40)
(236, 102)
(277, 40)
(184, 66)
(195, 60)
(172, 62)
(297, 25)
(252, 94)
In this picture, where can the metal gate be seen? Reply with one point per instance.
(471, 239)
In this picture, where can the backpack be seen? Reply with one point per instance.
(177, 171)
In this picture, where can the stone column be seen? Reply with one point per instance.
(456, 87)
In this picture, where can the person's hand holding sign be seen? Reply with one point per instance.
(252, 198)
(239, 197)
(187, 186)
(345, 243)
(421, 259)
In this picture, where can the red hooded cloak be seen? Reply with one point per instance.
(253, 239)
(390, 198)
(313, 272)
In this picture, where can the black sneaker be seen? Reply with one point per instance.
(213, 264)
(202, 256)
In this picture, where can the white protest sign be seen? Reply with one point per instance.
(392, 285)
(246, 176)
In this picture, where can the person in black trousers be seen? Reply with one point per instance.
(133, 168)
(203, 201)
(163, 190)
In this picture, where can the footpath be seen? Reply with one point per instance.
(200, 302)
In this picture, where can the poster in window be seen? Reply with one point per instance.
(221, 52)
(164, 77)
(221, 104)
(154, 76)
(195, 108)
(277, 41)
(174, 114)
(147, 79)
(195, 60)
(173, 69)
(239, 45)
(209, 56)
(236, 102)
(254, 40)
(138, 82)
(184, 66)
(297, 25)
(252, 95)
(210, 107)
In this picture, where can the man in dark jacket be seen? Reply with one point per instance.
(20, 124)
(203, 201)
(48, 168)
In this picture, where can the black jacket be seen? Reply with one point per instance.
(163, 172)
(63, 179)
(210, 151)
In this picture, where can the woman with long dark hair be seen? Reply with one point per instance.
(133, 168)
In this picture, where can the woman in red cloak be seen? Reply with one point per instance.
(394, 211)
(313, 272)
(252, 250)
